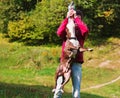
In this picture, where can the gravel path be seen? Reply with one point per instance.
(101, 85)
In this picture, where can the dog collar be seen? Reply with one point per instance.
(73, 38)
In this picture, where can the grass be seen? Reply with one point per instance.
(109, 91)
(28, 71)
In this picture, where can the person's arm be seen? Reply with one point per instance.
(82, 26)
(61, 29)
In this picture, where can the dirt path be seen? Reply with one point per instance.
(101, 85)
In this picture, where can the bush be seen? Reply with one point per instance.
(40, 24)
(22, 29)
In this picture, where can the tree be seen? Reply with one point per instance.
(11, 10)
(44, 19)
(101, 15)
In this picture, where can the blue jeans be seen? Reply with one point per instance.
(76, 76)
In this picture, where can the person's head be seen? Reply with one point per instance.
(79, 13)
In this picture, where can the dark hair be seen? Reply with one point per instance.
(79, 12)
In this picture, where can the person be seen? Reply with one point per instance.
(81, 31)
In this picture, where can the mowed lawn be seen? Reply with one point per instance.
(28, 71)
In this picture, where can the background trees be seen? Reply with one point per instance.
(36, 21)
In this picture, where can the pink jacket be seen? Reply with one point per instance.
(81, 33)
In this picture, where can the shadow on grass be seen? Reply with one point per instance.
(34, 91)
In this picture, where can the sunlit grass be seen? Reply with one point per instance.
(28, 71)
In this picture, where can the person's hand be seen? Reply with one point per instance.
(71, 13)
(77, 16)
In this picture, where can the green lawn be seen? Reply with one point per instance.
(28, 71)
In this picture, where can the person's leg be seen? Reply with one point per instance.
(58, 90)
(76, 79)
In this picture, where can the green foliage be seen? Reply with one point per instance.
(39, 25)
(102, 16)
(47, 17)
(41, 18)
(21, 29)
(106, 12)
(12, 9)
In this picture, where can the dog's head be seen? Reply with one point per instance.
(71, 6)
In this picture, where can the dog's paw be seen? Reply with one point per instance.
(90, 49)
(53, 90)
(62, 91)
